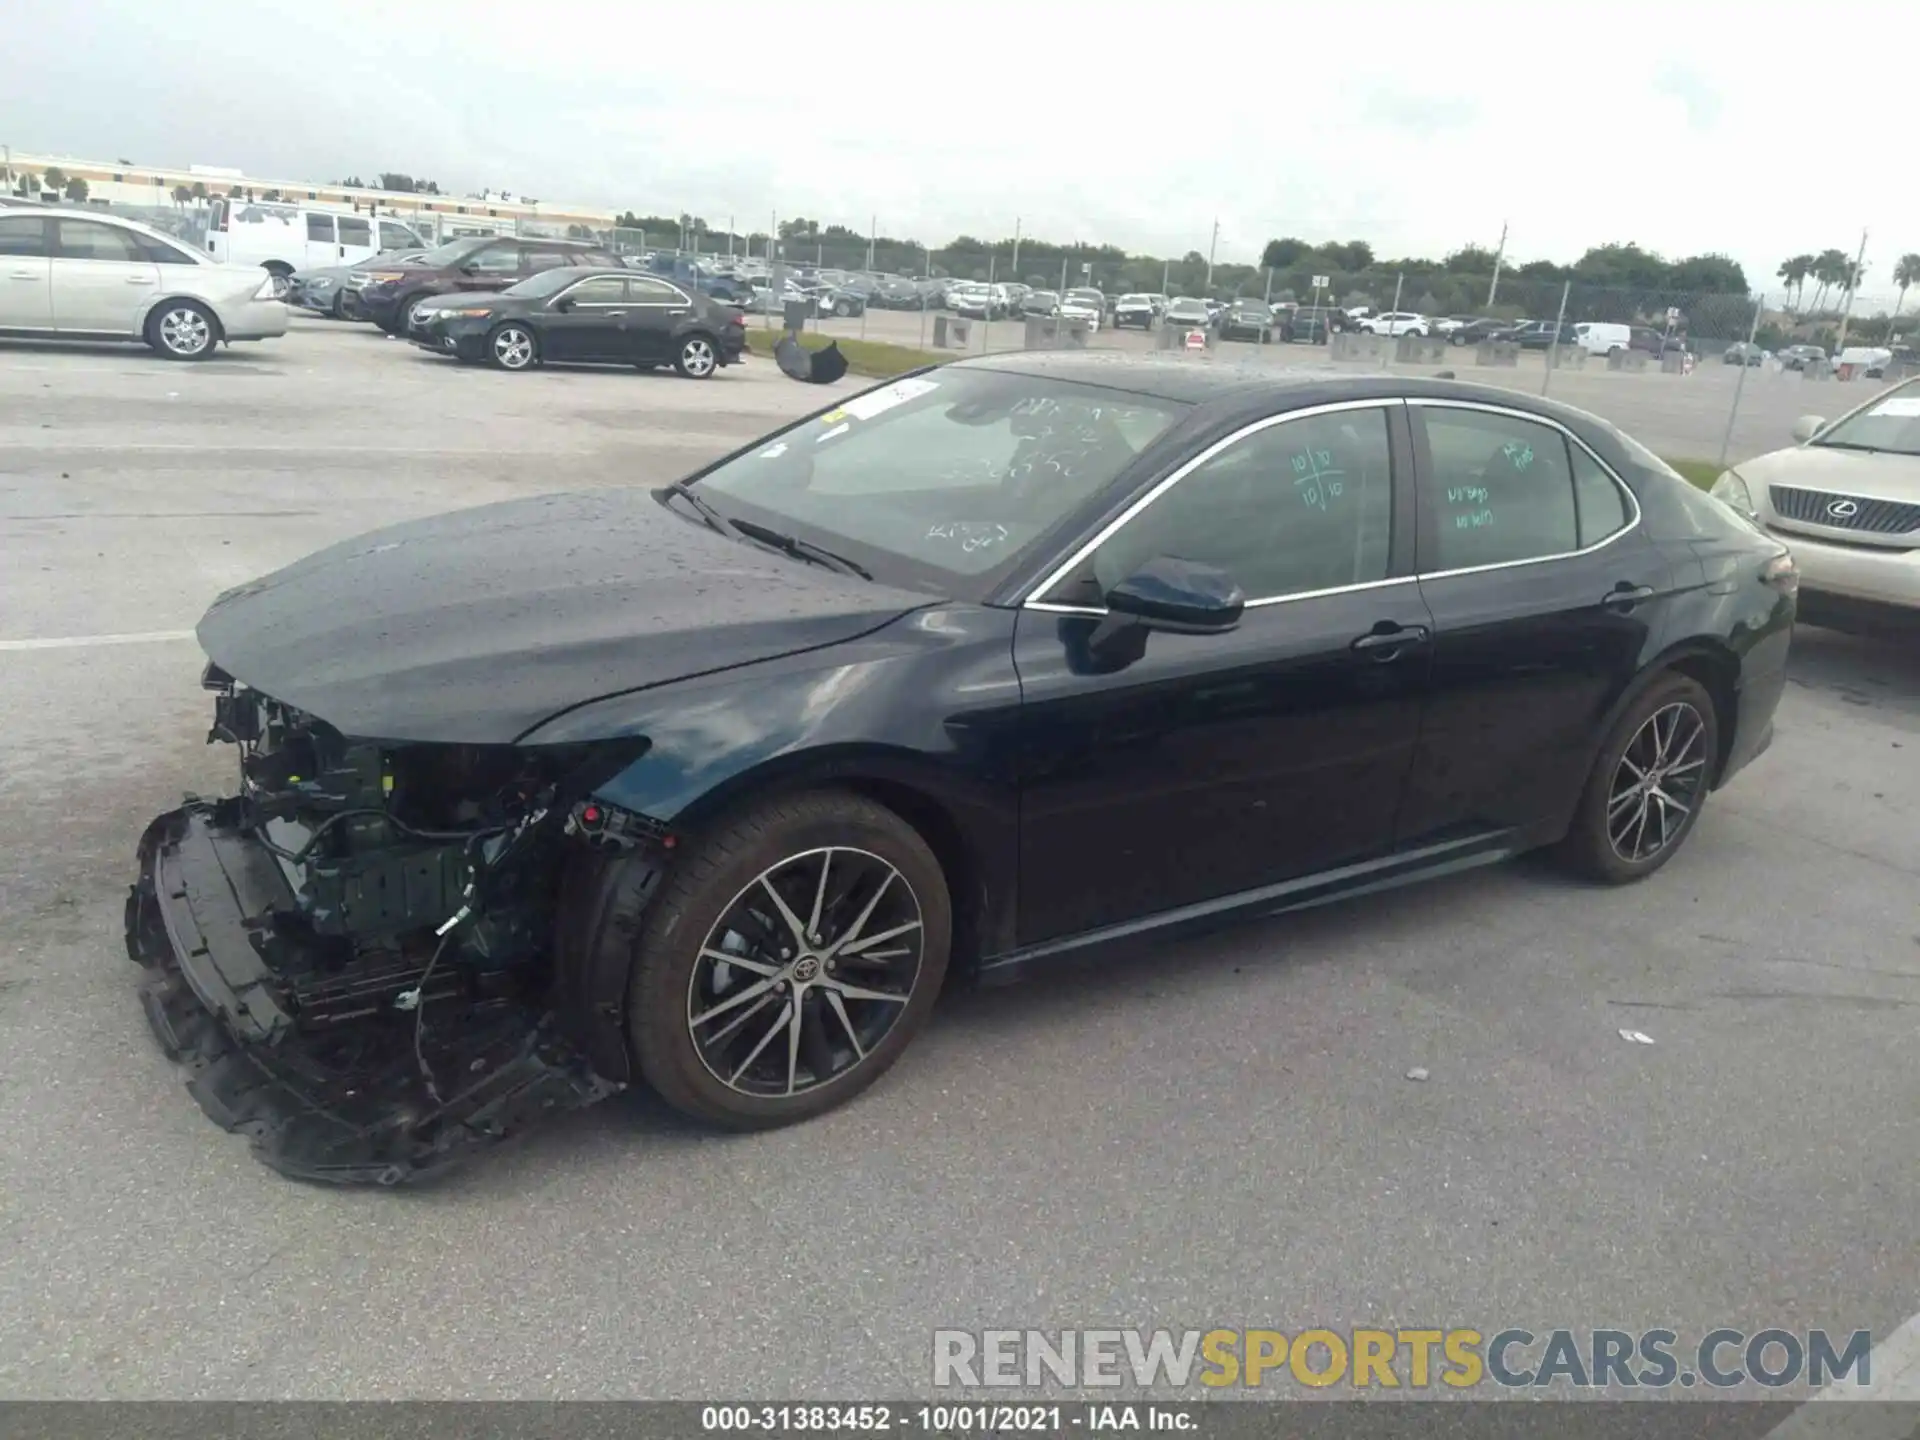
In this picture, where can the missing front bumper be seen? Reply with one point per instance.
(387, 1098)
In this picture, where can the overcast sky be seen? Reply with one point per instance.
(1414, 126)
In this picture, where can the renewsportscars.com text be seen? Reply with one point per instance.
(1412, 1359)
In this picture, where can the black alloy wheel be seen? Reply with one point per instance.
(1648, 785)
(793, 955)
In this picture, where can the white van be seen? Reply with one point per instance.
(284, 238)
(1600, 338)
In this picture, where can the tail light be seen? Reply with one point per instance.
(738, 318)
(1782, 574)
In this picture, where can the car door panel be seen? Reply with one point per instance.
(588, 321)
(102, 281)
(659, 311)
(26, 272)
(1529, 655)
(1208, 765)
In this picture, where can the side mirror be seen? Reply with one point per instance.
(1808, 426)
(563, 304)
(1181, 596)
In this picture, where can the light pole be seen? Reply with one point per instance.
(1499, 253)
(1853, 284)
(1212, 245)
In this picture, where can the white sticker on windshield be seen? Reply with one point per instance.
(1906, 406)
(840, 429)
(881, 401)
(774, 452)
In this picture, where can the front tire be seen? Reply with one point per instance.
(183, 330)
(1648, 785)
(697, 358)
(793, 954)
(512, 347)
(842, 309)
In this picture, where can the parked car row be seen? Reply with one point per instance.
(517, 302)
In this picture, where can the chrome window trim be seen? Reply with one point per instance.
(659, 304)
(1434, 402)
(1113, 526)
(1426, 401)
(596, 304)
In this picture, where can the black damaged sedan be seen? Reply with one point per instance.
(710, 788)
(613, 317)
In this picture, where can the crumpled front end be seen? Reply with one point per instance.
(352, 955)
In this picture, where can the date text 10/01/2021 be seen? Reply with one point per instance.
(946, 1419)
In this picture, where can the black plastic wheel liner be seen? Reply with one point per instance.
(350, 1104)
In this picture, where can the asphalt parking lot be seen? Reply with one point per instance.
(1680, 416)
(1223, 1132)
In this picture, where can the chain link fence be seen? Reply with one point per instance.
(1708, 374)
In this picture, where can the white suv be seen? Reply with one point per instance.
(1397, 322)
(87, 275)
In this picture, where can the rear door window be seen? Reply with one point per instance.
(320, 228)
(1499, 489)
(355, 231)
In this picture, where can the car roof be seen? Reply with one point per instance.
(1234, 385)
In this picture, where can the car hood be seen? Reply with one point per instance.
(1871, 475)
(476, 626)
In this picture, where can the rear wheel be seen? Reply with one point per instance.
(183, 330)
(697, 358)
(793, 954)
(842, 308)
(1648, 784)
(512, 347)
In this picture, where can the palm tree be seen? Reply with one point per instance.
(1794, 271)
(199, 191)
(181, 195)
(1905, 273)
(55, 179)
(76, 190)
(1830, 268)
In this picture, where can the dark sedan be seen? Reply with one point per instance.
(613, 317)
(1310, 325)
(1247, 320)
(1472, 332)
(708, 787)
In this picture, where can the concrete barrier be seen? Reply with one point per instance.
(1567, 357)
(1420, 350)
(1674, 363)
(1630, 360)
(1496, 352)
(1359, 345)
(1044, 333)
(950, 333)
(1816, 370)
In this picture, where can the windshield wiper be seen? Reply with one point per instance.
(705, 511)
(1847, 445)
(801, 549)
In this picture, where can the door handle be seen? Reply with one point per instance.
(1386, 645)
(139, 280)
(1624, 597)
(25, 275)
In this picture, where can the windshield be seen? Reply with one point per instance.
(451, 253)
(547, 281)
(1890, 422)
(942, 480)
